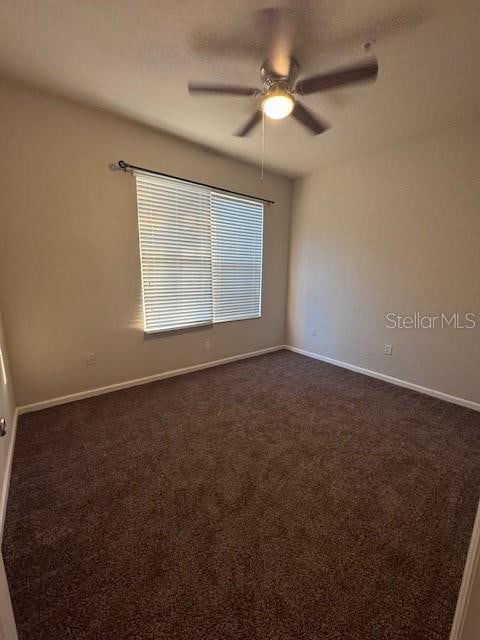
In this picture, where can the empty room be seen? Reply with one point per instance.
(240, 320)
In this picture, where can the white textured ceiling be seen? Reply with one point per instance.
(136, 58)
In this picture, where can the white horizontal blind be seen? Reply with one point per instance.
(237, 243)
(201, 254)
(175, 250)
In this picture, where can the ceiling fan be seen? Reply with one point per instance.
(280, 83)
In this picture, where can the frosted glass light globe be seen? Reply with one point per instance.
(277, 104)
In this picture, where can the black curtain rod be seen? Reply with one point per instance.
(125, 166)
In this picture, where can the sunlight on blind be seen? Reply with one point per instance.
(175, 249)
(201, 254)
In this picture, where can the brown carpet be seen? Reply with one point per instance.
(276, 498)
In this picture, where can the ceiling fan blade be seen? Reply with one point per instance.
(322, 82)
(224, 89)
(308, 119)
(279, 27)
(249, 125)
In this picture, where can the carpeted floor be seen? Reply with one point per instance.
(276, 498)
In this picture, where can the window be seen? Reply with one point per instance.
(201, 254)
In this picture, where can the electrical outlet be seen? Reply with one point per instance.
(313, 331)
(387, 349)
(206, 345)
(91, 358)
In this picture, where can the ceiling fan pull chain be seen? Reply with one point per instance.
(263, 145)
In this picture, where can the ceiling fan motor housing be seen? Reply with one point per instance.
(272, 80)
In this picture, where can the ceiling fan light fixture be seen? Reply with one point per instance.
(278, 104)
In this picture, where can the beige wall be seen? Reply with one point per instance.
(395, 231)
(70, 274)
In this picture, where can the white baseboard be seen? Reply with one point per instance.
(470, 404)
(6, 476)
(44, 404)
(472, 567)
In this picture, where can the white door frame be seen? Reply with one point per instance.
(465, 604)
(8, 411)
